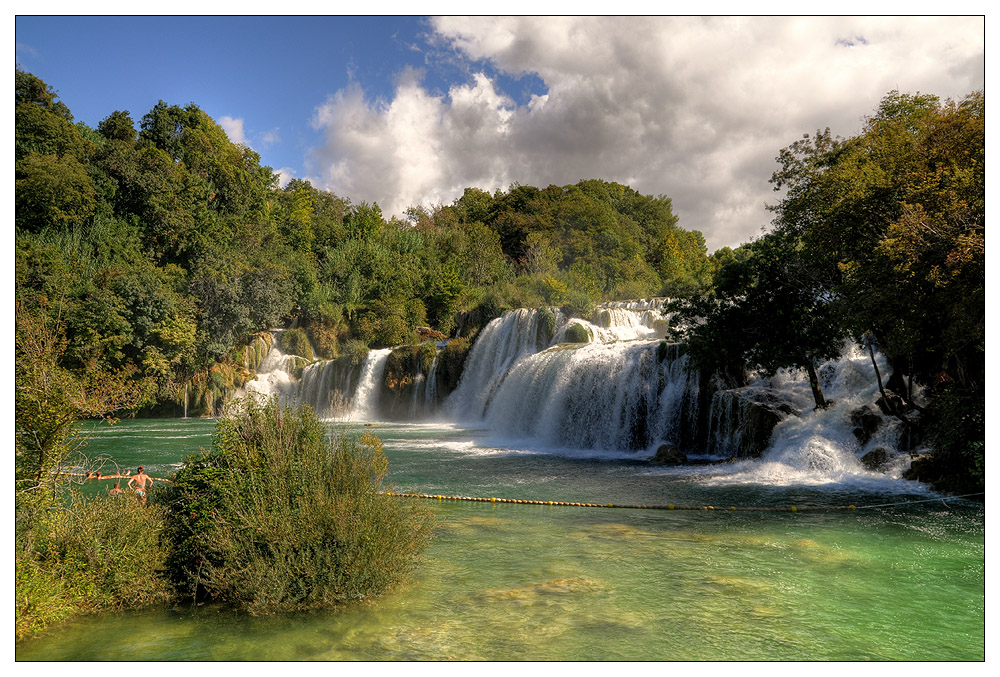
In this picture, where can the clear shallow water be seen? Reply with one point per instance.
(527, 582)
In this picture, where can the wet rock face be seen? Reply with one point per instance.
(761, 421)
(866, 423)
(746, 417)
(668, 454)
(876, 459)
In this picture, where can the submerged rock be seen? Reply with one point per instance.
(668, 454)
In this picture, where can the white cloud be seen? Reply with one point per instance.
(233, 128)
(694, 108)
(269, 138)
(285, 174)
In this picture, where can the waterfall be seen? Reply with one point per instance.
(326, 386)
(367, 395)
(503, 343)
(626, 390)
(273, 377)
(614, 396)
(618, 392)
(430, 386)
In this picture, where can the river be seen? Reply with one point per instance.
(903, 581)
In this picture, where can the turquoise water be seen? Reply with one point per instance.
(533, 582)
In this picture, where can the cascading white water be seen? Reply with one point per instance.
(273, 376)
(366, 397)
(325, 386)
(615, 396)
(503, 343)
(624, 391)
(430, 386)
(819, 446)
(614, 393)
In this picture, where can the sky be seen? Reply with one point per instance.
(408, 111)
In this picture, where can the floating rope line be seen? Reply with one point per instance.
(109, 477)
(668, 506)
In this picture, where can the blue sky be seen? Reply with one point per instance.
(408, 110)
(271, 72)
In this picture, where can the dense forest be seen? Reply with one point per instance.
(161, 251)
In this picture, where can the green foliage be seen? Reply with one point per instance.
(880, 238)
(355, 351)
(956, 426)
(101, 553)
(278, 517)
(577, 333)
(49, 400)
(170, 247)
(296, 342)
(118, 127)
(52, 190)
(326, 338)
(546, 327)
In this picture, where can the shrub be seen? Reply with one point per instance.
(94, 553)
(279, 517)
(296, 342)
(325, 338)
(355, 351)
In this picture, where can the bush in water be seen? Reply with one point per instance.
(279, 517)
(103, 552)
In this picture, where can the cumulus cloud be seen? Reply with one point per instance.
(285, 174)
(694, 108)
(233, 128)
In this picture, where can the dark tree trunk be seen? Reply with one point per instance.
(817, 392)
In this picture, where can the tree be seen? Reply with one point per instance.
(768, 312)
(49, 401)
(52, 191)
(118, 127)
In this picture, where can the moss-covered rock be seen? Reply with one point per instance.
(577, 333)
(451, 363)
(545, 327)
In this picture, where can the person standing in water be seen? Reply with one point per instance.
(116, 490)
(139, 482)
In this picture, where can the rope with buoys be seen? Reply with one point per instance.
(668, 506)
(109, 477)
